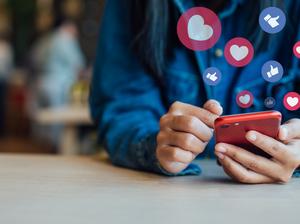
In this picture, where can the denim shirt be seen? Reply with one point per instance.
(127, 103)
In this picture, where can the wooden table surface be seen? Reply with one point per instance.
(50, 189)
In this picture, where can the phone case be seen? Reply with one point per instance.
(233, 128)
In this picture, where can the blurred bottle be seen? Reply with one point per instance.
(80, 89)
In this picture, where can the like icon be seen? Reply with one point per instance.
(212, 76)
(239, 52)
(272, 20)
(272, 71)
(291, 101)
(245, 99)
(270, 102)
(199, 29)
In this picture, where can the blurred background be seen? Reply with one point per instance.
(47, 49)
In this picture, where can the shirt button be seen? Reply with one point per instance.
(218, 53)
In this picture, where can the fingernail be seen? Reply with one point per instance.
(283, 133)
(251, 136)
(217, 104)
(221, 109)
(221, 149)
(220, 155)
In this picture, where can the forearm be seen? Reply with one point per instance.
(140, 153)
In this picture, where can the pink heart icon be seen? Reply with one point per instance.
(291, 101)
(245, 99)
(297, 49)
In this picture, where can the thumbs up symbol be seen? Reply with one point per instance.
(272, 21)
(212, 77)
(273, 71)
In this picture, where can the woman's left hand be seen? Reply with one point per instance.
(246, 167)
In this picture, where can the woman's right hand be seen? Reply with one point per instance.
(184, 133)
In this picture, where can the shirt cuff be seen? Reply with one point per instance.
(149, 145)
(192, 169)
(296, 173)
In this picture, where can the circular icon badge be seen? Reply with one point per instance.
(270, 102)
(297, 49)
(291, 101)
(245, 99)
(272, 20)
(199, 29)
(212, 76)
(239, 52)
(272, 71)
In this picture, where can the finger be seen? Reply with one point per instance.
(270, 145)
(184, 141)
(204, 115)
(240, 173)
(251, 161)
(289, 130)
(213, 106)
(188, 124)
(174, 154)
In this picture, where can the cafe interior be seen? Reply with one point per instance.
(36, 116)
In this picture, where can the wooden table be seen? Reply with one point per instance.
(70, 117)
(62, 190)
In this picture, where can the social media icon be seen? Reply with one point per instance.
(270, 102)
(297, 49)
(239, 52)
(245, 99)
(272, 71)
(199, 29)
(272, 20)
(291, 101)
(212, 76)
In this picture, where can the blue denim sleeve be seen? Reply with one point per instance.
(125, 100)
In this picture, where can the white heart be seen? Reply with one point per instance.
(198, 30)
(298, 50)
(245, 99)
(292, 101)
(239, 53)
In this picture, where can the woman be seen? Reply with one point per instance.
(155, 113)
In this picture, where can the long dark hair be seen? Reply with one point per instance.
(152, 22)
(154, 29)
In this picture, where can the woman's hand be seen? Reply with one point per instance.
(184, 133)
(246, 167)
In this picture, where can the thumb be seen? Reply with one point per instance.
(276, 18)
(214, 107)
(272, 68)
(289, 130)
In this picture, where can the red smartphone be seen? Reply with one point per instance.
(233, 128)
